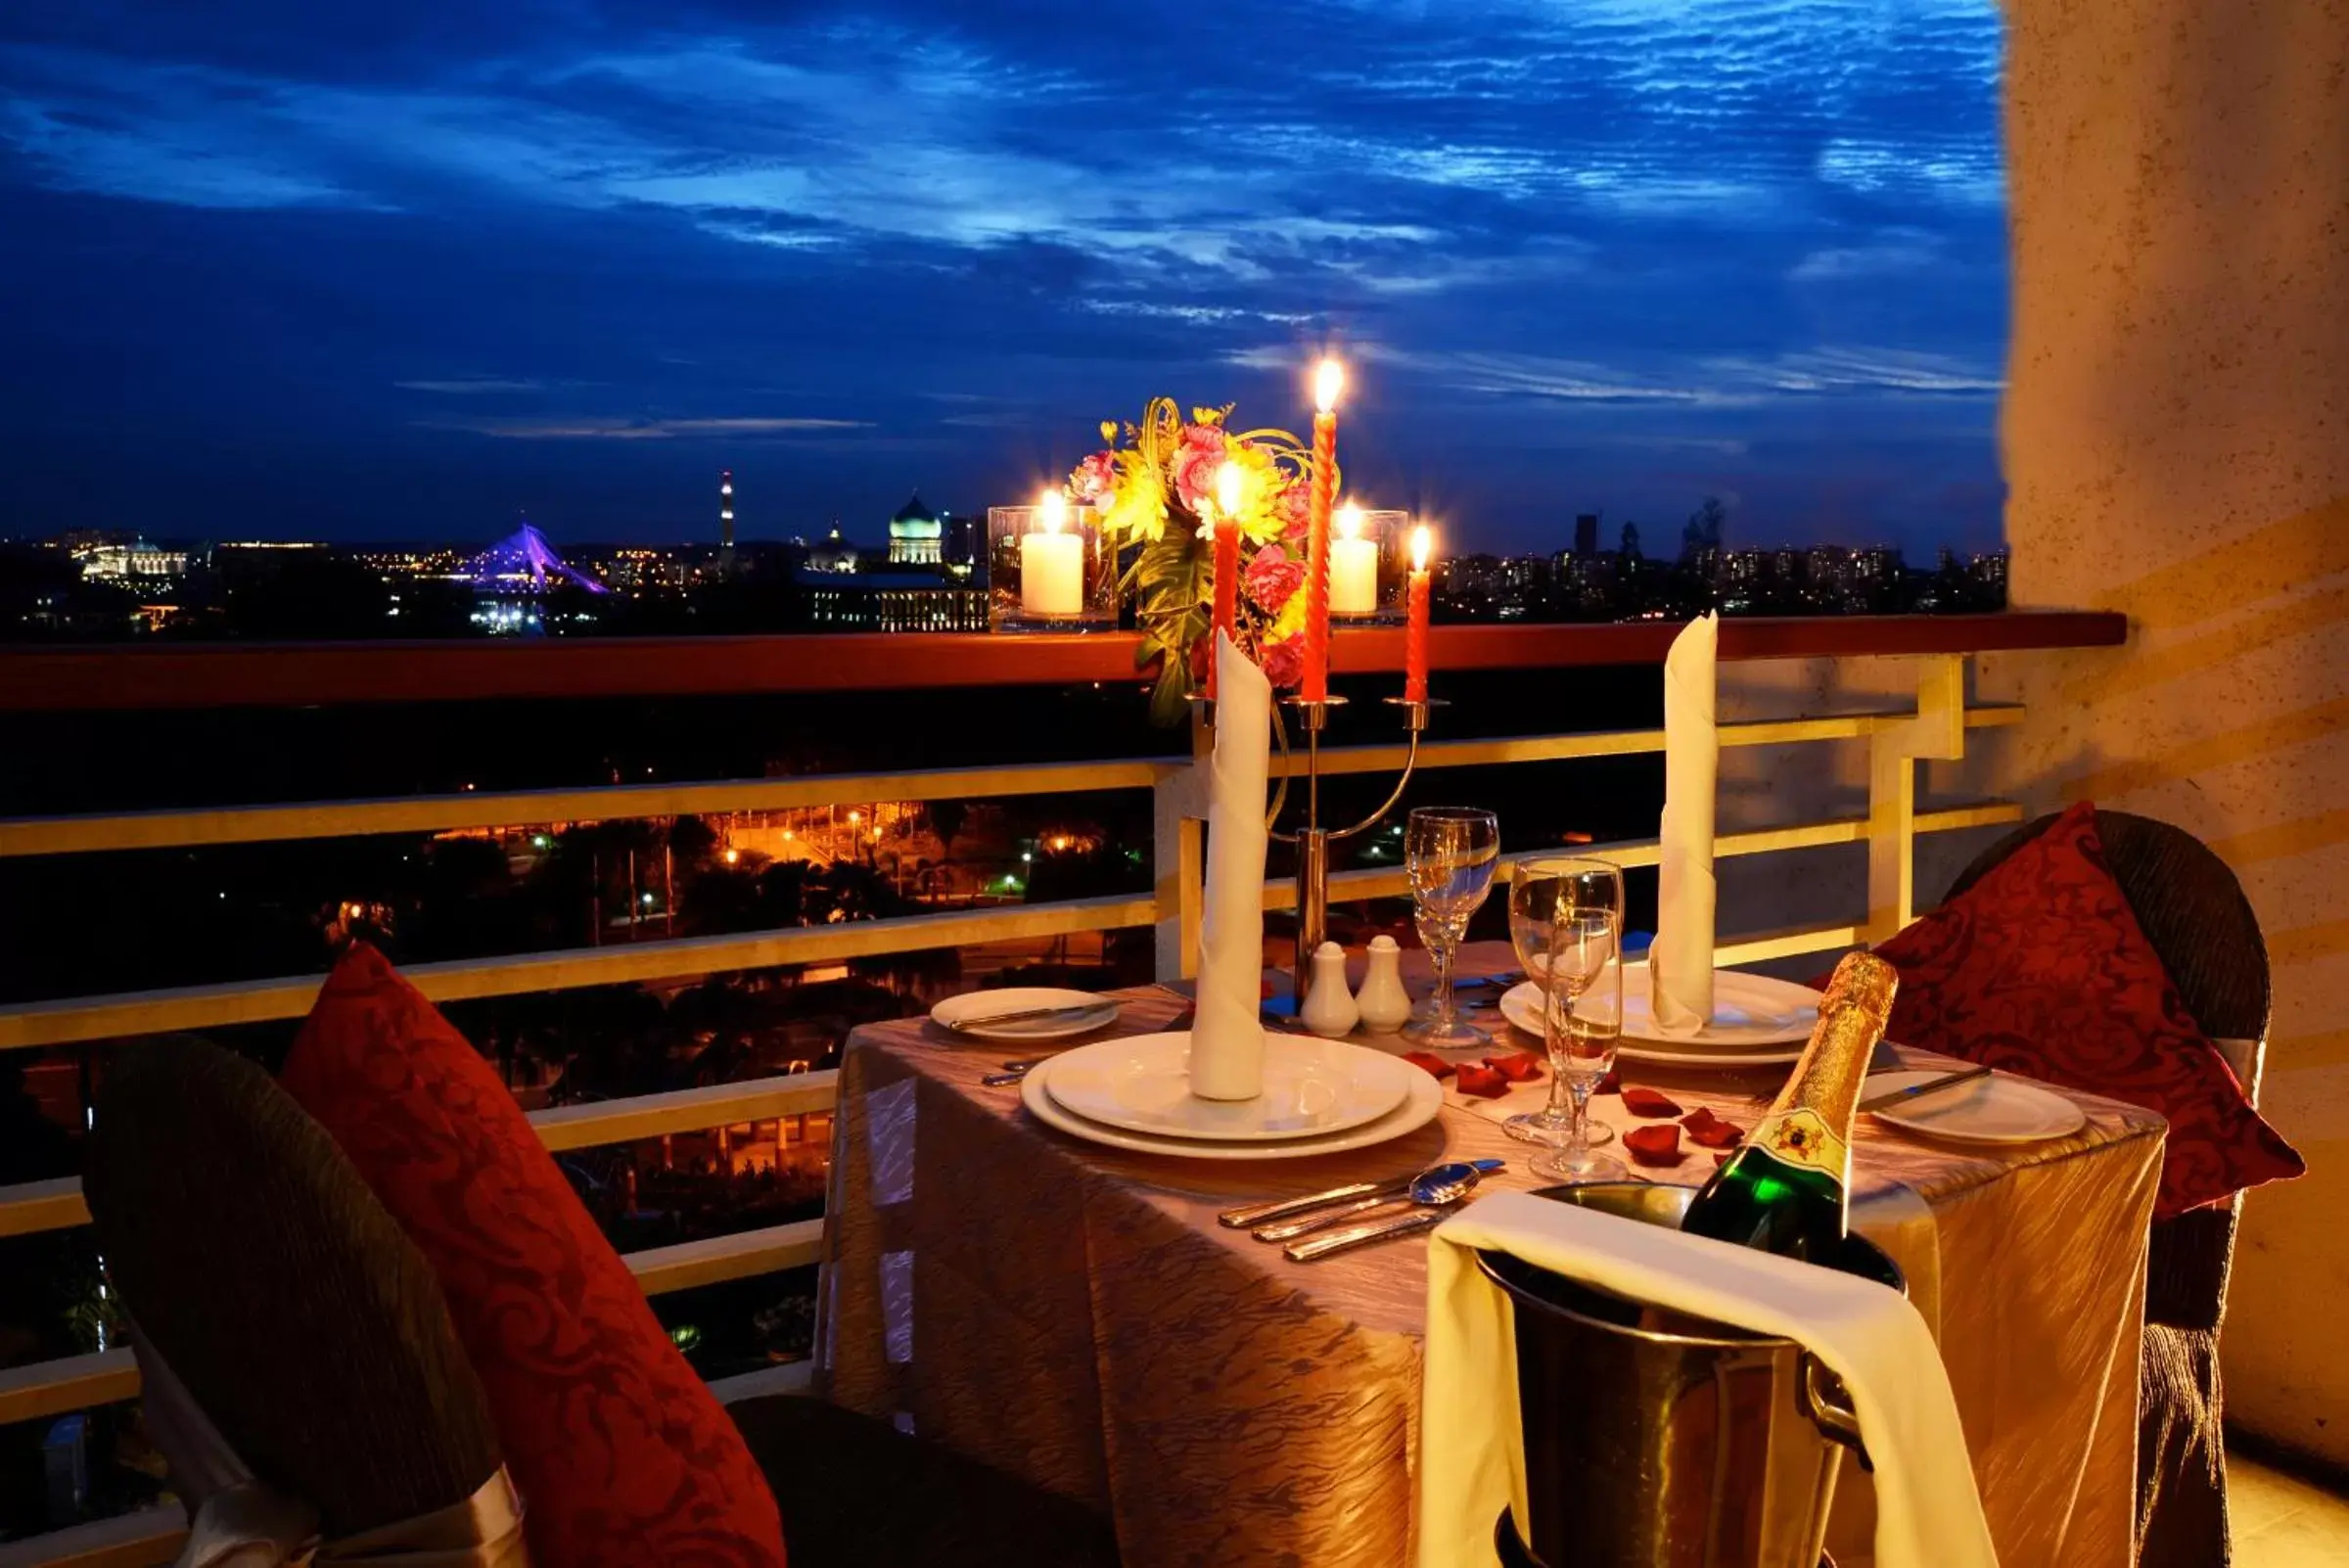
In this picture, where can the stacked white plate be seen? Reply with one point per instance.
(1320, 1097)
(1757, 1021)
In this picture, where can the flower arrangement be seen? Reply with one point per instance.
(1155, 491)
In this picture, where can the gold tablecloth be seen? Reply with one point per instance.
(1073, 1315)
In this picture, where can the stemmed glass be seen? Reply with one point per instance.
(1451, 852)
(1536, 886)
(1582, 1010)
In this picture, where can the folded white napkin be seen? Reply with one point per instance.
(1227, 1033)
(1929, 1514)
(1682, 960)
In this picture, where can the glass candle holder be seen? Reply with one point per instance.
(1370, 565)
(1048, 573)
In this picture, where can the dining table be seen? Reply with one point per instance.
(1074, 1313)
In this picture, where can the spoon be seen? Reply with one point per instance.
(1435, 1187)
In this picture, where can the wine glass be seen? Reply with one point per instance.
(1536, 888)
(1582, 1012)
(1451, 852)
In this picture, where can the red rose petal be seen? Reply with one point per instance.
(1711, 1131)
(1647, 1102)
(1609, 1084)
(1482, 1081)
(1521, 1068)
(1721, 1157)
(1433, 1066)
(1654, 1146)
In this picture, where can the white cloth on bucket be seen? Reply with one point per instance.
(1680, 965)
(1929, 1514)
(1227, 1032)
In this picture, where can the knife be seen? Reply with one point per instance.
(1931, 1086)
(1363, 1234)
(1029, 1015)
(1257, 1214)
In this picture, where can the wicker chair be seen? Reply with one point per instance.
(2194, 914)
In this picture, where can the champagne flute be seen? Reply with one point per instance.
(1451, 852)
(1582, 1011)
(1534, 894)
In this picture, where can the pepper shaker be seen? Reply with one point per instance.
(1329, 1008)
(1384, 1007)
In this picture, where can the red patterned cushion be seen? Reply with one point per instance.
(622, 1455)
(2042, 969)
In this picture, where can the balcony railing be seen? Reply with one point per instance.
(238, 676)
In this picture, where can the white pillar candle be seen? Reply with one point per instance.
(1353, 566)
(1052, 564)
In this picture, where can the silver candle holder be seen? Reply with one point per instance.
(1310, 839)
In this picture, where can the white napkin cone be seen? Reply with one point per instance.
(1680, 963)
(1228, 1032)
(1929, 1514)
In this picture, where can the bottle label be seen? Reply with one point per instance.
(1800, 1136)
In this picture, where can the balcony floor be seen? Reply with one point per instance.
(2283, 1522)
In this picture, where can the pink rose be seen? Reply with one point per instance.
(1272, 577)
(1284, 662)
(1095, 478)
(1195, 463)
(1296, 511)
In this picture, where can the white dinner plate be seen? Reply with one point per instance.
(1423, 1098)
(1996, 1109)
(1312, 1087)
(968, 1013)
(1757, 1021)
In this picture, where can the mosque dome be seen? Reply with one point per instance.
(915, 535)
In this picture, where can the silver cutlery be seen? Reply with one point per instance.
(1257, 1214)
(1931, 1086)
(1006, 1078)
(1435, 1188)
(1032, 1015)
(1365, 1233)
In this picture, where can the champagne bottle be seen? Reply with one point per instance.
(1783, 1190)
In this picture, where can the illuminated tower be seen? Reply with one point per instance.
(725, 521)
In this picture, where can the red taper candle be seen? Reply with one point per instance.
(1223, 516)
(1328, 380)
(1414, 626)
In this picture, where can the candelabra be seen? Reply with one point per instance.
(1310, 837)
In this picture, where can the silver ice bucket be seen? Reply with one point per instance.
(1656, 1440)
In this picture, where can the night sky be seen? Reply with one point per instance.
(287, 269)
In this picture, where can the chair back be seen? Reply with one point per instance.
(299, 1317)
(2203, 928)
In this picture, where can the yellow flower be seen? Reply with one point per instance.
(1108, 432)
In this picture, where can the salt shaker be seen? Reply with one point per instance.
(1384, 1007)
(1328, 1005)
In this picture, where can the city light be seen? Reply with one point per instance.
(734, 856)
(648, 898)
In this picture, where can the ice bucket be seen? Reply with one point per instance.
(1657, 1439)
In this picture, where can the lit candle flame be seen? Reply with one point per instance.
(1055, 509)
(1228, 480)
(1329, 379)
(1422, 544)
(1350, 521)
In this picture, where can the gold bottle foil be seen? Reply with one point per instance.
(1809, 1122)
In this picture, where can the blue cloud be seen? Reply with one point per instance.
(1629, 249)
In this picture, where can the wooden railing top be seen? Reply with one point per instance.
(232, 674)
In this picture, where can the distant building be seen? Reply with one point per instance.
(892, 601)
(916, 535)
(1586, 533)
(725, 521)
(131, 559)
(831, 553)
(512, 579)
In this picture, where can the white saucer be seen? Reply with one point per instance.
(1757, 1021)
(1422, 1100)
(1311, 1087)
(967, 1014)
(1996, 1109)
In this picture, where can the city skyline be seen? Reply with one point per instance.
(411, 274)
